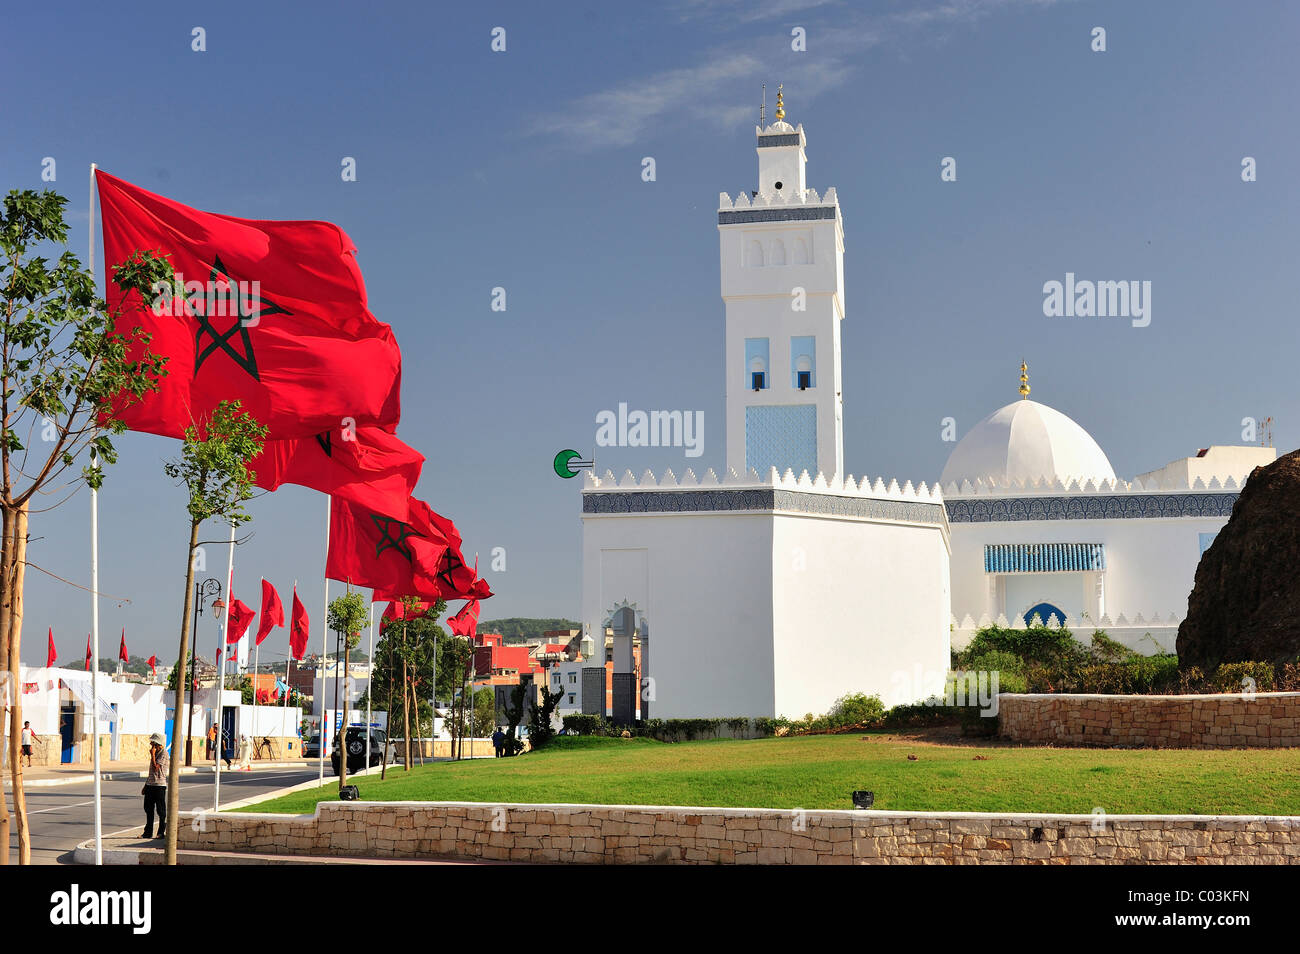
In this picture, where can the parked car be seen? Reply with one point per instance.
(356, 746)
(311, 746)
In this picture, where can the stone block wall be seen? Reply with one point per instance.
(1259, 720)
(612, 834)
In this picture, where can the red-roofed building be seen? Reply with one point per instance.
(496, 664)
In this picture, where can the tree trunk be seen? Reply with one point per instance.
(6, 564)
(406, 709)
(343, 735)
(14, 638)
(174, 765)
(388, 722)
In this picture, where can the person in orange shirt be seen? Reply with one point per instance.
(212, 742)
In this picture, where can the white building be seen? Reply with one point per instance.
(1041, 525)
(784, 584)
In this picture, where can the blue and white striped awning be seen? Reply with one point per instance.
(1043, 557)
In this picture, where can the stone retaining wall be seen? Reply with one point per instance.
(605, 834)
(1262, 720)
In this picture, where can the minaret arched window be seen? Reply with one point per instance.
(754, 254)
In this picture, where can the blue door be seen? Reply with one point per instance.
(1045, 612)
(228, 733)
(67, 719)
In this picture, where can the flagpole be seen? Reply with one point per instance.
(221, 679)
(370, 681)
(324, 636)
(94, 591)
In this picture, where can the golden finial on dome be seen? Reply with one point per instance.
(780, 104)
(1024, 381)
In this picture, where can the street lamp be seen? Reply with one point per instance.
(202, 591)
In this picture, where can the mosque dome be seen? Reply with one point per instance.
(1025, 441)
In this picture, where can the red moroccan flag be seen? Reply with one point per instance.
(395, 556)
(51, 657)
(121, 650)
(369, 467)
(272, 611)
(88, 652)
(465, 623)
(299, 627)
(274, 315)
(152, 662)
(240, 617)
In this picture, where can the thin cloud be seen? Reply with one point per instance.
(628, 112)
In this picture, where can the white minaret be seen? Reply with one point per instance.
(783, 284)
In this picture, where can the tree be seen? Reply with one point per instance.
(175, 674)
(409, 654)
(63, 367)
(540, 730)
(514, 715)
(347, 617)
(213, 467)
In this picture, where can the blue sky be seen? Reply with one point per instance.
(521, 169)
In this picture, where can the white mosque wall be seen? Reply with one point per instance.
(858, 607)
(775, 612)
(1150, 567)
(706, 596)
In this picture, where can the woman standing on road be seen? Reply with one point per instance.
(155, 787)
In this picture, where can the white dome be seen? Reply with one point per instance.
(1026, 441)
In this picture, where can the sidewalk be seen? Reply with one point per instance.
(43, 776)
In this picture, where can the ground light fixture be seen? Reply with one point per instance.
(863, 800)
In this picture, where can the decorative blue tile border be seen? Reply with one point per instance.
(1091, 507)
(778, 139)
(1043, 557)
(759, 500)
(795, 213)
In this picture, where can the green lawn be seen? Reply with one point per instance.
(821, 771)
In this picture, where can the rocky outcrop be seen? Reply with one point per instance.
(1245, 605)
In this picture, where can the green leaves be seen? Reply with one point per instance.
(62, 365)
(213, 464)
(349, 614)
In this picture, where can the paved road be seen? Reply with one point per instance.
(61, 816)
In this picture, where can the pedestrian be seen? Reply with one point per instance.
(212, 743)
(227, 747)
(29, 739)
(499, 742)
(155, 787)
(245, 754)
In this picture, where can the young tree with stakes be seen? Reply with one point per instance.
(213, 468)
(63, 369)
(347, 617)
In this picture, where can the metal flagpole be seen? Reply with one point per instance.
(221, 678)
(94, 593)
(370, 682)
(324, 636)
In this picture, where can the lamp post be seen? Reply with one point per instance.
(202, 591)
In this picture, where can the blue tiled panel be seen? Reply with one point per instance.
(1043, 557)
(1098, 507)
(781, 436)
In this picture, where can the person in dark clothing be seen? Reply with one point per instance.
(155, 787)
(499, 742)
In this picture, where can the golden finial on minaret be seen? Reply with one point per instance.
(780, 104)
(1024, 381)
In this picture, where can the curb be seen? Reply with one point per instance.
(73, 779)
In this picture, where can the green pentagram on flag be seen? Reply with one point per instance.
(326, 441)
(387, 541)
(222, 287)
(451, 562)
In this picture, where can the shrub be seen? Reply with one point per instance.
(581, 724)
(1034, 644)
(1233, 677)
(1105, 648)
(853, 711)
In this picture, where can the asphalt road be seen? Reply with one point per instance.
(61, 816)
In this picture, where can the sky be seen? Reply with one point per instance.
(521, 169)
